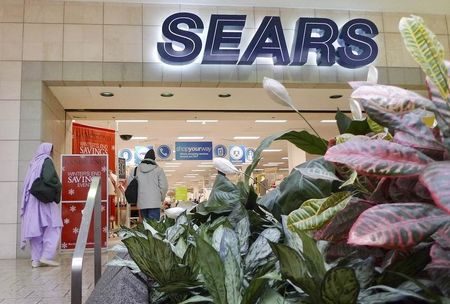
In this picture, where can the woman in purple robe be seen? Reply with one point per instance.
(41, 222)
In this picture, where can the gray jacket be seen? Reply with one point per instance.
(152, 186)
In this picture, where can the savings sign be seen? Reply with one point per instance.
(182, 44)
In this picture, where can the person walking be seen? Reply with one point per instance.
(152, 188)
(41, 221)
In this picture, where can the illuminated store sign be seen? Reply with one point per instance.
(183, 44)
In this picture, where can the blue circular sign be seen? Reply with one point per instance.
(220, 151)
(127, 154)
(164, 151)
(249, 155)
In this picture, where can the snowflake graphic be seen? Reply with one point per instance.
(71, 192)
(75, 230)
(103, 208)
(113, 148)
(104, 229)
(64, 245)
(66, 221)
(63, 168)
(103, 169)
(72, 208)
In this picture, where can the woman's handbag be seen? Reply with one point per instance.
(42, 191)
(131, 193)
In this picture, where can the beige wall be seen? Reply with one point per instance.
(109, 43)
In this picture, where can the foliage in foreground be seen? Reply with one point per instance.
(367, 223)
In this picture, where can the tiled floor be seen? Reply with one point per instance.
(21, 284)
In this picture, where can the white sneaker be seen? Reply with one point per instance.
(35, 264)
(46, 262)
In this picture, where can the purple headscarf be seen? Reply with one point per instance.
(34, 171)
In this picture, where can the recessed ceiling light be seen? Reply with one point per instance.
(205, 166)
(328, 120)
(246, 137)
(276, 163)
(283, 169)
(106, 94)
(269, 165)
(139, 138)
(166, 94)
(191, 176)
(191, 137)
(271, 121)
(132, 121)
(224, 95)
(202, 121)
(198, 170)
(337, 96)
(170, 170)
(272, 150)
(258, 170)
(285, 157)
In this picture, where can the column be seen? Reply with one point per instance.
(295, 156)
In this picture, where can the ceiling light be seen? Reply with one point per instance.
(202, 121)
(106, 94)
(132, 120)
(283, 169)
(206, 163)
(269, 165)
(328, 120)
(168, 174)
(166, 94)
(139, 138)
(258, 170)
(171, 163)
(205, 166)
(190, 137)
(276, 163)
(337, 96)
(272, 150)
(198, 170)
(191, 176)
(224, 95)
(246, 137)
(285, 158)
(271, 121)
(170, 170)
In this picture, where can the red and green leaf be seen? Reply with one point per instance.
(378, 157)
(439, 268)
(396, 226)
(436, 177)
(337, 229)
(392, 99)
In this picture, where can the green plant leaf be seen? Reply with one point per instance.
(272, 297)
(294, 268)
(384, 294)
(243, 232)
(314, 259)
(254, 290)
(224, 195)
(343, 121)
(426, 49)
(315, 213)
(317, 173)
(351, 180)
(375, 127)
(378, 157)
(338, 228)
(340, 286)
(233, 277)
(197, 299)
(225, 239)
(213, 271)
(439, 268)
(305, 141)
(260, 249)
(436, 177)
(396, 226)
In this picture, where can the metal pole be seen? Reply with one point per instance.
(98, 234)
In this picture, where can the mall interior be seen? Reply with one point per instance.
(140, 71)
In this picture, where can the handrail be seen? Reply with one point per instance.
(93, 203)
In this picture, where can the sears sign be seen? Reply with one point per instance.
(356, 45)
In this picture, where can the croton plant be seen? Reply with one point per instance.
(367, 222)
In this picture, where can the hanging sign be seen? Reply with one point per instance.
(220, 151)
(94, 140)
(182, 45)
(237, 154)
(193, 150)
(181, 193)
(164, 151)
(128, 155)
(249, 155)
(76, 175)
(122, 170)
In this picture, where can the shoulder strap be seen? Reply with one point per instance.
(135, 170)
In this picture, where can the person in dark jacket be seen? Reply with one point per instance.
(41, 222)
(152, 188)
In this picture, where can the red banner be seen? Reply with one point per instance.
(76, 176)
(94, 140)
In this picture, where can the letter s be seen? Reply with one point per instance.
(357, 45)
(191, 41)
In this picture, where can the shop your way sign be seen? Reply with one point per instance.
(183, 44)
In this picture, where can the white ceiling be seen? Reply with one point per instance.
(424, 7)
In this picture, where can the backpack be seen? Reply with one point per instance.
(131, 193)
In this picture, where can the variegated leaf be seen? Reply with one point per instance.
(315, 213)
(392, 99)
(439, 268)
(378, 157)
(436, 177)
(396, 226)
(317, 173)
(426, 49)
(340, 286)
